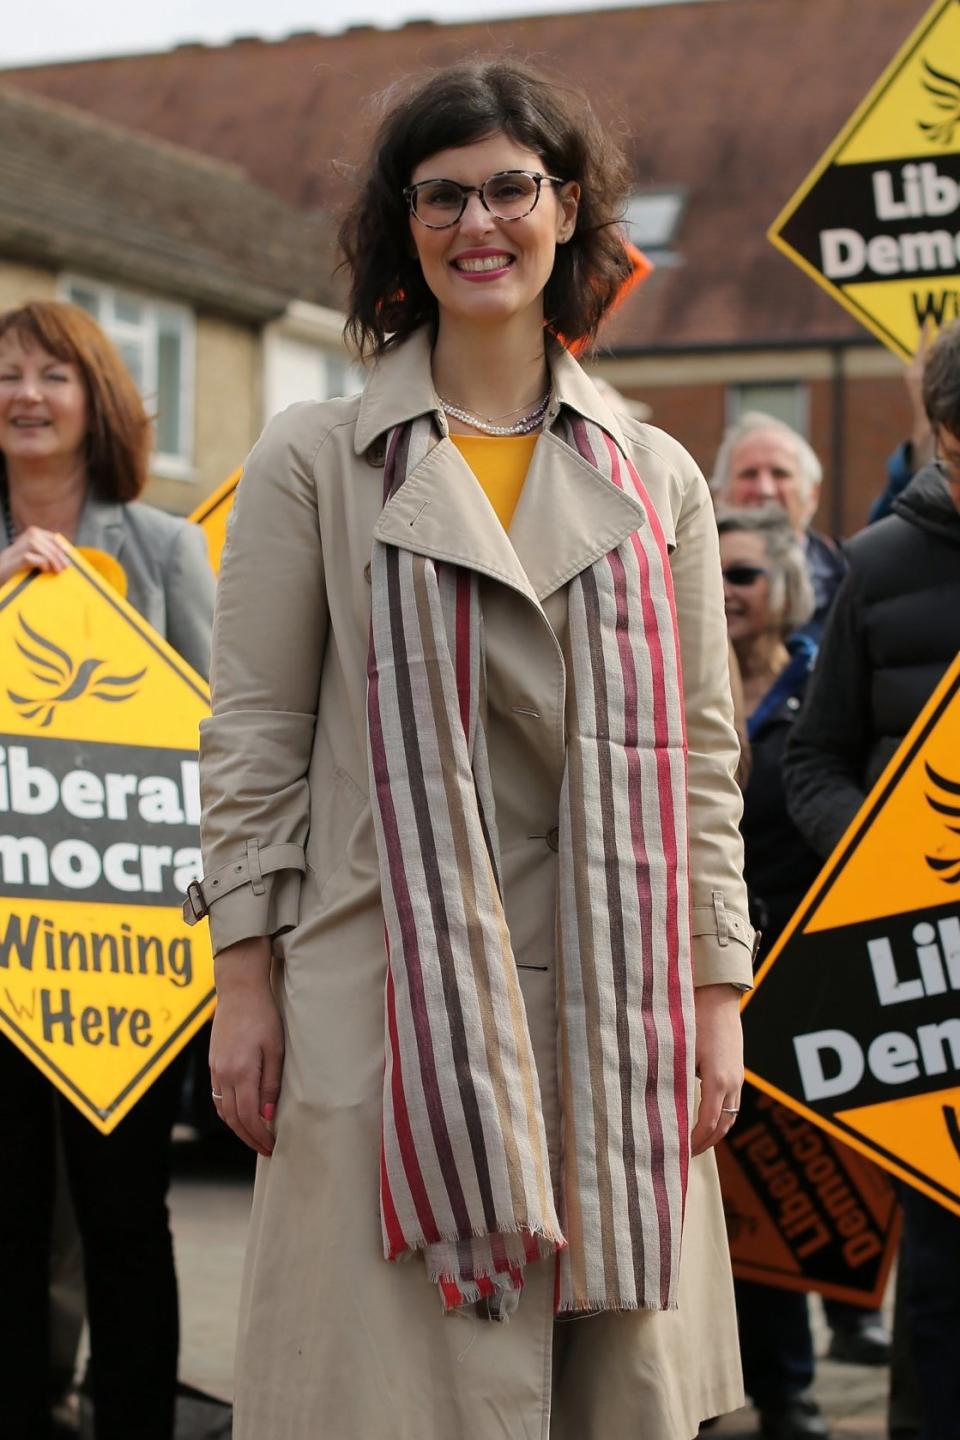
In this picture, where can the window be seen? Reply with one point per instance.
(156, 341)
(298, 369)
(785, 400)
(652, 220)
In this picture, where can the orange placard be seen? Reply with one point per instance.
(803, 1211)
(855, 1019)
(642, 267)
(213, 515)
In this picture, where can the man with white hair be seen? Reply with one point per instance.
(762, 461)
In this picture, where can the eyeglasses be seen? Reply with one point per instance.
(508, 195)
(741, 577)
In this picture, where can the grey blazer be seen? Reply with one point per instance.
(169, 580)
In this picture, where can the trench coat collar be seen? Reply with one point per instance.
(400, 388)
(568, 515)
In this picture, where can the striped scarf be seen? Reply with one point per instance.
(464, 1171)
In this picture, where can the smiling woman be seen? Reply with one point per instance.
(390, 294)
(74, 443)
(503, 577)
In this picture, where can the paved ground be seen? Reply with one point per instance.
(210, 1204)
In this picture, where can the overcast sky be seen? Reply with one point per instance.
(38, 30)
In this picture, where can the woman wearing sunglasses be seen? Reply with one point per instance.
(460, 883)
(768, 597)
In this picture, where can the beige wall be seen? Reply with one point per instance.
(24, 282)
(227, 412)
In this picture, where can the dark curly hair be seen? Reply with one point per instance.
(460, 105)
(941, 380)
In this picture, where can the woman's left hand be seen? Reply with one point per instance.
(719, 1062)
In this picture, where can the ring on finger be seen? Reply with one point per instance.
(729, 1110)
(216, 1094)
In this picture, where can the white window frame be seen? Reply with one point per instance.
(735, 408)
(321, 330)
(659, 250)
(167, 465)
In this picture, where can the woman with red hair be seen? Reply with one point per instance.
(74, 449)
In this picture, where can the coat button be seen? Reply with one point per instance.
(377, 454)
(552, 838)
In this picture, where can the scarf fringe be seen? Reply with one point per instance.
(418, 1243)
(575, 1310)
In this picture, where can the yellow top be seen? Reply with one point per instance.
(500, 463)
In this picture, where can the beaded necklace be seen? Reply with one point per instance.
(523, 426)
(7, 514)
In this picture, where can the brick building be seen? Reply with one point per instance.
(723, 105)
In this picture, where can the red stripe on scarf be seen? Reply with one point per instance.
(665, 789)
(668, 833)
(452, 1295)
(408, 1150)
(391, 1221)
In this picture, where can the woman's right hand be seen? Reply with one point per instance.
(33, 549)
(246, 1047)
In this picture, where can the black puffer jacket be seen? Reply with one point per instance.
(893, 631)
(779, 866)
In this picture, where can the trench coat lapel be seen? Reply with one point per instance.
(568, 514)
(442, 511)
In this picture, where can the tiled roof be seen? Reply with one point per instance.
(79, 192)
(733, 100)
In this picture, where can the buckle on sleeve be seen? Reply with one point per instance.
(197, 901)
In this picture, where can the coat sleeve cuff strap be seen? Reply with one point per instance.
(247, 869)
(723, 924)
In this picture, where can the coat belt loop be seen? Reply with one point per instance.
(720, 911)
(253, 864)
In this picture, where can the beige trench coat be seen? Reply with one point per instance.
(335, 1343)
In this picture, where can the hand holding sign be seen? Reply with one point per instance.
(101, 982)
(33, 549)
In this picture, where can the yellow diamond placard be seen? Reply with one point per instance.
(877, 222)
(101, 981)
(855, 1019)
(213, 514)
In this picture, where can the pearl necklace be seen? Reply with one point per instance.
(523, 426)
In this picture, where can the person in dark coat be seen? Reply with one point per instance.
(893, 632)
(762, 461)
(768, 597)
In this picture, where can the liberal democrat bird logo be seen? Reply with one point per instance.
(68, 681)
(944, 91)
(945, 801)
